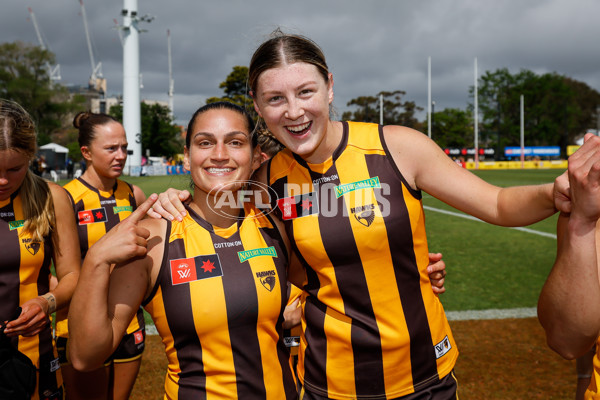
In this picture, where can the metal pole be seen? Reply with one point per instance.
(131, 86)
(522, 132)
(381, 109)
(429, 97)
(476, 120)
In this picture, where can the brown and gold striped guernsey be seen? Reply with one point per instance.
(24, 275)
(218, 304)
(96, 213)
(373, 327)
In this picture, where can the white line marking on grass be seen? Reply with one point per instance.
(491, 314)
(466, 216)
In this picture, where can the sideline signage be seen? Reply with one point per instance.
(542, 151)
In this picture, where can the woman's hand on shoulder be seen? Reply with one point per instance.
(170, 205)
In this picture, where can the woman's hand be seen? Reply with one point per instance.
(31, 321)
(437, 272)
(170, 205)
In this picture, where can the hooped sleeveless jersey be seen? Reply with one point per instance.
(24, 275)
(97, 212)
(593, 391)
(217, 305)
(372, 327)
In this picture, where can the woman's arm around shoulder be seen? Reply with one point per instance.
(426, 167)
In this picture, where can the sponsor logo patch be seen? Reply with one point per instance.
(265, 251)
(16, 224)
(54, 365)
(184, 270)
(442, 347)
(138, 337)
(351, 187)
(91, 216)
(291, 341)
(298, 206)
(268, 279)
(119, 209)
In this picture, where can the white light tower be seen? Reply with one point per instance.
(132, 121)
(171, 81)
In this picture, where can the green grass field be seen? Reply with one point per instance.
(488, 266)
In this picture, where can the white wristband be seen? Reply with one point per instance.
(51, 302)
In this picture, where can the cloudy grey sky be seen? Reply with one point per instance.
(370, 45)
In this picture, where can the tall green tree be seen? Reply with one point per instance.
(557, 108)
(395, 110)
(235, 88)
(159, 134)
(452, 127)
(24, 79)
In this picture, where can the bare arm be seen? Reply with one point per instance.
(425, 166)
(104, 303)
(569, 304)
(67, 259)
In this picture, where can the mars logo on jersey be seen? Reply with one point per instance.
(442, 347)
(268, 279)
(298, 206)
(364, 214)
(184, 270)
(92, 216)
(31, 246)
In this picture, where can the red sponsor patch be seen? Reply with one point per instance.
(85, 217)
(138, 336)
(183, 270)
(91, 216)
(287, 206)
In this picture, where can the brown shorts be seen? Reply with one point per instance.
(444, 389)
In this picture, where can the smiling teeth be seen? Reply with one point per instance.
(219, 170)
(298, 128)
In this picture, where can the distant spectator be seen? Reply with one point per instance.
(70, 167)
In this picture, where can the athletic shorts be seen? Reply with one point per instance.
(130, 349)
(444, 389)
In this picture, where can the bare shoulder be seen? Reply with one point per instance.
(408, 149)
(139, 195)
(59, 195)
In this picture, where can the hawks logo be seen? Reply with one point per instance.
(31, 246)
(268, 279)
(364, 214)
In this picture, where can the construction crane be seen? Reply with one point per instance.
(171, 81)
(97, 80)
(53, 71)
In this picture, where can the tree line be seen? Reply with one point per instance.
(558, 108)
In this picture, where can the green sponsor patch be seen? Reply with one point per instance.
(117, 210)
(265, 251)
(16, 224)
(351, 187)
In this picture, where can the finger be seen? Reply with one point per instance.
(142, 232)
(142, 210)
(438, 290)
(435, 267)
(434, 257)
